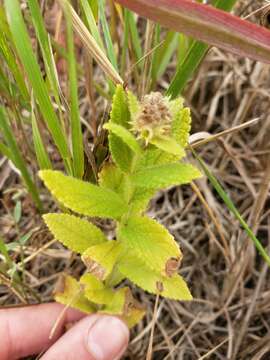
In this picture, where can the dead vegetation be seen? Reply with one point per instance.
(229, 318)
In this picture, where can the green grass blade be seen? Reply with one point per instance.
(230, 205)
(91, 22)
(164, 54)
(41, 153)
(10, 59)
(4, 252)
(45, 45)
(4, 150)
(125, 44)
(76, 131)
(25, 51)
(107, 35)
(187, 68)
(193, 58)
(17, 157)
(135, 37)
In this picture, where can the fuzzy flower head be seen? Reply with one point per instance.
(153, 117)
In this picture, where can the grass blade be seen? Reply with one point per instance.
(23, 45)
(230, 205)
(107, 35)
(92, 46)
(41, 153)
(163, 55)
(194, 57)
(207, 24)
(135, 38)
(76, 130)
(10, 59)
(17, 157)
(91, 22)
(45, 45)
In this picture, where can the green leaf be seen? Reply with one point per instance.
(134, 105)
(111, 177)
(168, 145)
(153, 156)
(140, 199)
(181, 126)
(152, 243)
(122, 155)
(122, 303)
(158, 177)
(70, 292)
(75, 233)
(83, 197)
(120, 113)
(100, 259)
(140, 274)
(118, 302)
(95, 290)
(125, 136)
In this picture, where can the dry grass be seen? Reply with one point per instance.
(230, 315)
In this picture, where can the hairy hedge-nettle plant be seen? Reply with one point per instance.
(146, 140)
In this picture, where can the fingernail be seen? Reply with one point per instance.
(107, 338)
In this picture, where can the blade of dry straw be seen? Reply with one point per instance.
(92, 46)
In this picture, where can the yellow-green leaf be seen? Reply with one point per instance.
(152, 243)
(162, 176)
(95, 290)
(134, 105)
(125, 136)
(75, 233)
(181, 126)
(153, 156)
(122, 155)
(140, 274)
(111, 177)
(169, 145)
(120, 113)
(124, 305)
(82, 197)
(100, 259)
(69, 292)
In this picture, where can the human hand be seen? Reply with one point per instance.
(25, 331)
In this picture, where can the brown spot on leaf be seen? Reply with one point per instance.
(60, 285)
(95, 268)
(131, 303)
(172, 266)
(160, 287)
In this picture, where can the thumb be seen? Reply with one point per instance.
(97, 337)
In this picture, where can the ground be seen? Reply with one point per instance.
(229, 317)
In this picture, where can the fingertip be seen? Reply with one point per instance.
(107, 338)
(96, 337)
